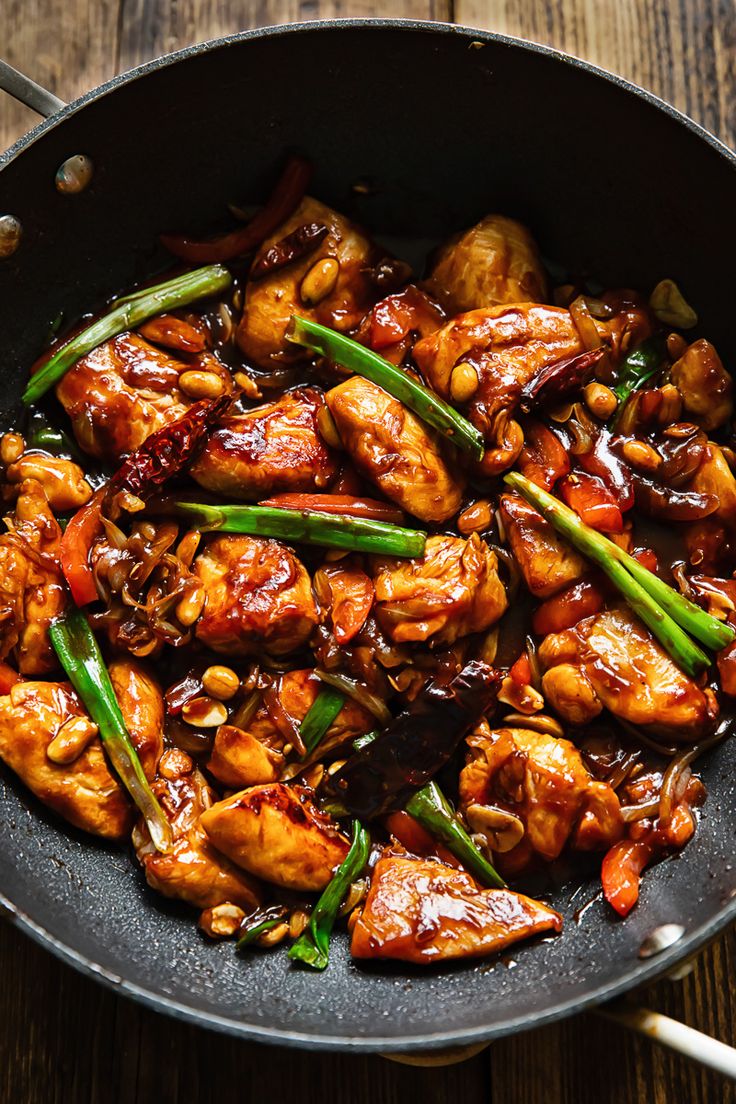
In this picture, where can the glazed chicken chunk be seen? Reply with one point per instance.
(125, 389)
(246, 758)
(611, 661)
(395, 450)
(32, 591)
(500, 349)
(494, 262)
(705, 385)
(193, 871)
(258, 597)
(543, 782)
(268, 450)
(330, 285)
(277, 833)
(43, 729)
(425, 912)
(547, 563)
(453, 590)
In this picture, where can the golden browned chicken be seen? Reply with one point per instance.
(547, 563)
(496, 261)
(705, 385)
(239, 759)
(193, 871)
(453, 590)
(715, 477)
(47, 738)
(329, 285)
(395, 450)
(32, 591)
(125, 389)
(246, 758)
(272, 448)
(277, 833)
(611, 661)
(481, 361)
(62, 480)
(543, 781)
(259, 597)
(425, 912)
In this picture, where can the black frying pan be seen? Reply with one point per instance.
(446, 124)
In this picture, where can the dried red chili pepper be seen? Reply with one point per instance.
(284, 200)
(162, 455)
(416, 744)
(293, 247)
(559, 379)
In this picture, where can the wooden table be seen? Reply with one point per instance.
(64, 1040)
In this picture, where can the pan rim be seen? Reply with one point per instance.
(638, 973)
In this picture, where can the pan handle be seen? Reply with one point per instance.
(28, 92)
(677, 1036)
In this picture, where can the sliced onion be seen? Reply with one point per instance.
(360, 694)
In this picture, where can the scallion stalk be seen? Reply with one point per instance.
(313, 946)
(666, 612)
(320, 715)
(80, 656)
(126, 315)
(364, 362)
(308, 527)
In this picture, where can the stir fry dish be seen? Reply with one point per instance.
(355, 595)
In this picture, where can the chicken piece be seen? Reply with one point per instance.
(547, 563)
(193, 871)
(62, 480)
(239, 759)
(277, 833)
(242, 758)
(611, 661)
(271, 300)
(715, 477)
(142, 705)
(507, 346)
(32, 591)
(452, 591)
(705, 385)
(270, 449)
(395, 450)
(124, 390)
(425, 912)
(494, 262)
(543, 781)
(85, 792)
(259, 597)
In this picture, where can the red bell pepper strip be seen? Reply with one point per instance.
(163, 454)
(338, 504)
(592, 501)
(284, 200)
(79, 536)
(621, 873)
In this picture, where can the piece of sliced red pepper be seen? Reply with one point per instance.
(8, 678)
(621, 873)
(338, 504)
(351, 598)
(564, 610)
(592, 502)
(521, 671)
(603, 462)
(284, 200)
(397, 315)
(77, 540)
(163, 454)
(543, 459)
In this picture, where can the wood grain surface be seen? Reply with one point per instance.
(65, 1040)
